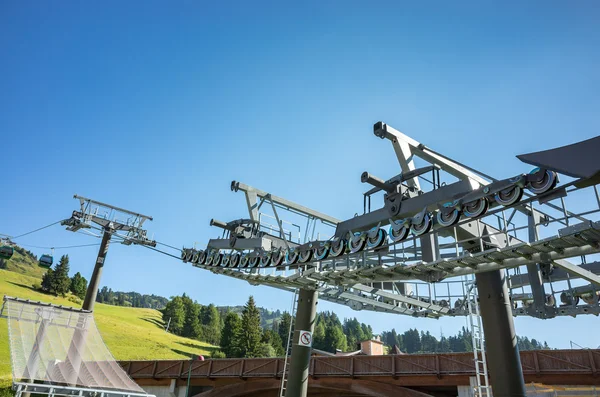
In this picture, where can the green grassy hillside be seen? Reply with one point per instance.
(24, 262)
(129, 333)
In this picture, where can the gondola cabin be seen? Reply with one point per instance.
(46, 261)
(6, 252)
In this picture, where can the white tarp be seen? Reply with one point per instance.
(62, 346)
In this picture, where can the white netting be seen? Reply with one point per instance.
(62, 346)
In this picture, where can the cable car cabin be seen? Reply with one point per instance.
(45, 261)
(6, 252)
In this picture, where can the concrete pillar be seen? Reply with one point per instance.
(297, 383)
(502, 352)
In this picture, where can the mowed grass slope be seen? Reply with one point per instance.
(24, 264)
(129, 333)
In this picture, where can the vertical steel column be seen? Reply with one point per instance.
(92, 291)
(429, 247)
(538, 308)
(297, 384)
(506, 373)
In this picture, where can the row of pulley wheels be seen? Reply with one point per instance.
(373, 239)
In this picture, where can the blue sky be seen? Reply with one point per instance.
(157, 107)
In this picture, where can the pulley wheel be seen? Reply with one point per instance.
(321, 253)
(475, 208)
(422, 227)
(218, 259)
(253, 262)
(447, 220)
(202, 257)
(588, 298)
(265, 260)
(305, 256)
(356, 243)
(509, 196)
(548, 182)
(568, 299)
(234, 261)
(225, 262)
(337, 248)
(183, 255)
(189, 255)
(378, 240)
(209, 259)
(244, 260)
(277, 258)
(399, 234)
(291, 257)
(195, 257)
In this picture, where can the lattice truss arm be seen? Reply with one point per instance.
(118, 221)
(440, 221)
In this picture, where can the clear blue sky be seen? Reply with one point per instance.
(157, 107)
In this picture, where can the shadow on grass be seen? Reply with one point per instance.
(193, 346)
(28, 287)
(154, 321)
(191, 354)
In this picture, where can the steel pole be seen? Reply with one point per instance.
(297, 384)
(92, 291)
(504, 362)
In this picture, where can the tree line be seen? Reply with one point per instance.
(185, 317)
(57, 281)
(413, 341)
(130, 299)
(242, 332)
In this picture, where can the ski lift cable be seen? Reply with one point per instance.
(36, 230)
(170, 246)
(162, 252)
(58, 248)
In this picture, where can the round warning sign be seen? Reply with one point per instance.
(305, 338)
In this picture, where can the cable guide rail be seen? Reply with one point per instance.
(465, 222)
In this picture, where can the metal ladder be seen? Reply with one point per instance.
(288, 349)
(482, 386)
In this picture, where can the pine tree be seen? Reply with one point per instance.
(318, 336)
(272, 338)
(47, 280)
(230, 335)
(191, 322)
(175, 313)
(251, 331)
(265, 350)
(211, 324)
(412, 341)
(284, 328)
(60, 278)
(335, 338)
(78, 285)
